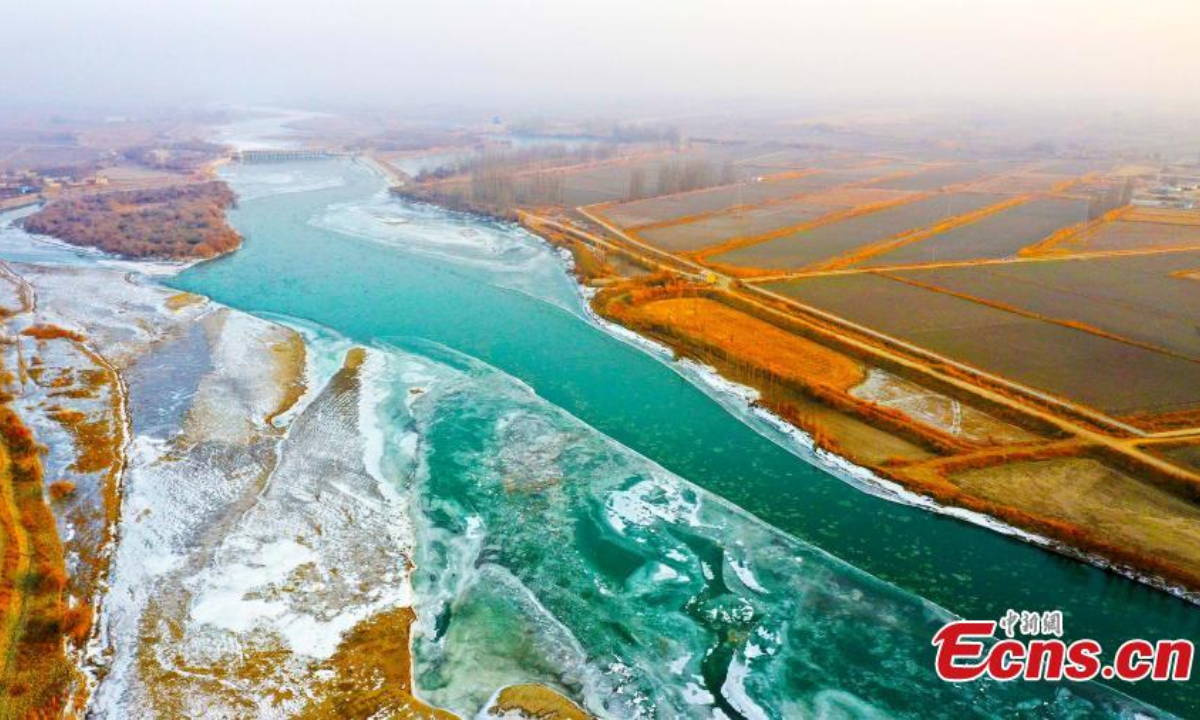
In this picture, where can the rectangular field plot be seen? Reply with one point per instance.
(1086, 493)
(601, 183)
(856, 196)
(938, 177)
(1105, 373)
(1134, 297)
(671, 207)
(1022, 183)
(1075, 166)
(869, 172)
(995, 236)
(612, 181)
(829, 241)
(778, 160)
(1123, 235)
(716, 229)
(605, 183)
(1163, 215)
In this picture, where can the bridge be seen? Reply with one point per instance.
(287, 155)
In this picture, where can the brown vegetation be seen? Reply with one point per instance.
(1055, 243)
(36, 678)
(735, 346)
(179, 222)
(52, 332)
(936, 482)
(60, 489)
(758, 343)
(372, 673)
(536, 702)
(1162, 215)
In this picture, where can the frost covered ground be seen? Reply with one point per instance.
(255, 523)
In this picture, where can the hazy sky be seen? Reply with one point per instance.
(391, 52)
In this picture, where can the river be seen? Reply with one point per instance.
(592, 515)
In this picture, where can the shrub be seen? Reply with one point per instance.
(60, 489)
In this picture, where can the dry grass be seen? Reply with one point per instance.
(372, 673)
(756, 342)
(1070, 239)
(60, 489)
(52, 332)
(36, 678)
(806, 382)
(1163, 215)
(538, 702)
(95, 442)
(1104, 502)
(849, 196)
(179, 301)
(288, 356)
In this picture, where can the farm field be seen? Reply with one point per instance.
(798, 250)
(717, 199)
(1188, 456)
(1116, 507)
(1022, 183)
(1108, 374)
(1123, 235)
(777, 161)
(1135, 297)
(604, 183)
(589, 183)
(995, 236)
(715, 229)
(871, 171)
(1075, 166)
(1162, 215)
(610, 182)
(938, 177)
